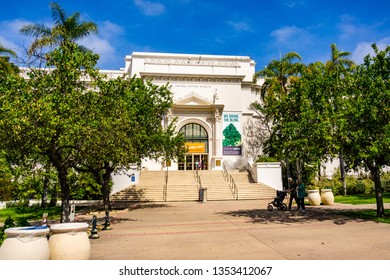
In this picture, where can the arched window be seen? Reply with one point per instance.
(194, 132)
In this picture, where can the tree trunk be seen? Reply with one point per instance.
(45, 191)
(342, 173)
(65, 192)
(287, 172)
(380, 210)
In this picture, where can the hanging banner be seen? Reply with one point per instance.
(231, 143)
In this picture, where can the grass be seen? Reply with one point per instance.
(357, 199)
(369, 215)
(21, 214)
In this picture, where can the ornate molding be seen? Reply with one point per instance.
(194, 61)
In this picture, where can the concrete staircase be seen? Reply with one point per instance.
(248, 189)
(182, 186)
(217, 187)
(150, 188)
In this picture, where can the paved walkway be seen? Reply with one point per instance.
(239, 230)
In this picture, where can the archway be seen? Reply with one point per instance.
(197, 142)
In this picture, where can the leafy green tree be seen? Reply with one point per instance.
(367, 109)
(278, 76)
(45, 119)
(126, 126)
(5, 65)
(337, 68)
(66, 30)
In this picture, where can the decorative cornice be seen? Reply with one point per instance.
(193, 61)
(209, 78)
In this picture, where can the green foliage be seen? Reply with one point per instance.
(8, 223)
(264, 158)
(386, 182)
(354, 185)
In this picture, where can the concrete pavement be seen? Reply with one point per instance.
(238, 230)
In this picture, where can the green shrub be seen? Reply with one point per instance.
(354, 185)
(264, 158)
(9, 222)
(385, 180)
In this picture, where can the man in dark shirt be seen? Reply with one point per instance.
(292, 189)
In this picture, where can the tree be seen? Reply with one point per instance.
(43, 117)
(126, 126)
(367, 140)
(277, 76)
(337, 68)
(66, 30)
(5, 65)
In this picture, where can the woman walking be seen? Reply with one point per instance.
(301, 191)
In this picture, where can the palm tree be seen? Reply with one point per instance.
(5, 65)
(337, 67)
(280, 71)
(67, 29)
(64, 56)
(277, 74)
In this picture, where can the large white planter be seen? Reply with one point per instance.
(314, 197)
(327, 196)
(25, 243)
(69, 241)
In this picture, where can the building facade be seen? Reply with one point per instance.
(212, 94)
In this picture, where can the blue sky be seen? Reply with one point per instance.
(261, 29)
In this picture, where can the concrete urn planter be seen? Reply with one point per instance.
(314, 197)
(25, 243)
(327, 196)
(69, 241)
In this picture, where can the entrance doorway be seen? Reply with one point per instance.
(197, 144)
(193, 161)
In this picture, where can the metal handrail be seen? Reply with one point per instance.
(233, 187)
(230, 180)
(165, 191)
(225, 172)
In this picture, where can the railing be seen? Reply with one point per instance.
(230, 180)
(225, 172)
(233, 187)
(197, 179)
(165, 191)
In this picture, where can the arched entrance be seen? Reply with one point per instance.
(197, 142)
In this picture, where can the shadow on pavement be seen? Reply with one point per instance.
(294, 216)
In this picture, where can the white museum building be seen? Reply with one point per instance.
(211, 95)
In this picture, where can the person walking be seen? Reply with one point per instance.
(301, 191)
(293, 192)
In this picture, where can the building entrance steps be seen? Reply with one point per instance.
(182, 186)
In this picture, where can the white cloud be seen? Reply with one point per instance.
(291, 35)
(240, 25)
(11, 38)
(364, 48)
(293, 4)
(150, 8)
(109, 29)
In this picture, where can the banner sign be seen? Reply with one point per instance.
(196, 147)
(231, 143)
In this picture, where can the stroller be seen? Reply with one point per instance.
(278, 201)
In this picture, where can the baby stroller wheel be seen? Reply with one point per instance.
(270, 208)
(283, 207)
